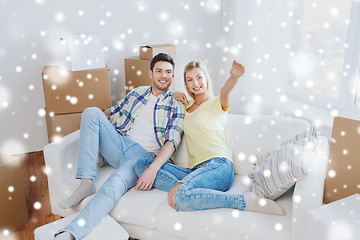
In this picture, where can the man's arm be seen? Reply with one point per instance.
(121, 103)
(146, 180)
(172, 139)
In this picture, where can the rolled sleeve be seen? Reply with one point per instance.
(119, 105)
(175, 128)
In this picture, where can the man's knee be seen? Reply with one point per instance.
(122, 178)
(142, 165)
(90, 112)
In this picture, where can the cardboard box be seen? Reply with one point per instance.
(12, 195)
(86, 52)
(80, 52)
(60, 125)
(342, 178)
(70, 92)
(148, 52)
(337, 220)
(136, 73)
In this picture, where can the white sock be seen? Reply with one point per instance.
(65, 236)
(255, 203)
(85, 189)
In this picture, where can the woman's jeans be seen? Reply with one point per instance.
(204, 185)
(98, 134)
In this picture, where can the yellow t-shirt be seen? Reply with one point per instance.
(204, 131)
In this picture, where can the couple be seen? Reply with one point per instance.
(145, 133)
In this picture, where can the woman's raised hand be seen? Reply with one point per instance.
(181, 97)
(237, 69)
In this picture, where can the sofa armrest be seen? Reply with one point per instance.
(61, 164)
(308, 194)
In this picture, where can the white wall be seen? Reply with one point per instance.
(252, 34)
(214, 31)
(29, 29)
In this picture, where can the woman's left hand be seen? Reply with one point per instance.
(237, 69)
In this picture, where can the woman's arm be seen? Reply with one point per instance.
(237, 70)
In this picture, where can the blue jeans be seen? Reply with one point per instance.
(98, 134)
(204, 185)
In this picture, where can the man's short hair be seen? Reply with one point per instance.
(161, 57)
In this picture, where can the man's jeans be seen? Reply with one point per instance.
(97, 133)
(204, 185)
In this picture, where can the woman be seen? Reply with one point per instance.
(210, 172)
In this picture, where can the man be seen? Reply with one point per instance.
(147, 123)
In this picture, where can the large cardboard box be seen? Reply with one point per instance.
(136, 73)
(12, 195)
(342, 179)
(70, 92)
(60, 125)
(86, 52)
(148, 52)
(79, 52)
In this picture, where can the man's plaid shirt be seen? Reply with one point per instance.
(168, 116)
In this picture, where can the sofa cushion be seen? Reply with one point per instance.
(135, 207)
(226, 223)
(249, 136)
(278, 170)
(139, 207)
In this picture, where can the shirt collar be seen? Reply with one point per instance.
(162, 96)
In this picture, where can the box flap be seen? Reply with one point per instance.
(159, 45)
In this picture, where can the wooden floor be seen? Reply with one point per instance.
(32, 164)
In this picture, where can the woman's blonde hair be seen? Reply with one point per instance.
(200, 65)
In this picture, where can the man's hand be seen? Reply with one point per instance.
(146, 180)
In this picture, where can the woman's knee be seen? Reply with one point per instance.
(175, 192)
(141, 165)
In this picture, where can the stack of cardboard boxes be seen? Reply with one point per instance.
(137, 68)
(68, 93)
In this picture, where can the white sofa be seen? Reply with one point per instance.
(146, 215)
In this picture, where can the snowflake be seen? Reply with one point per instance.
(241, 156)
(177, 226)
(40, 2)
(59, 17)
(18, 69)
(278, 227)
(164, 16)
(81, 222)
(332, 173)
(37, 205)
